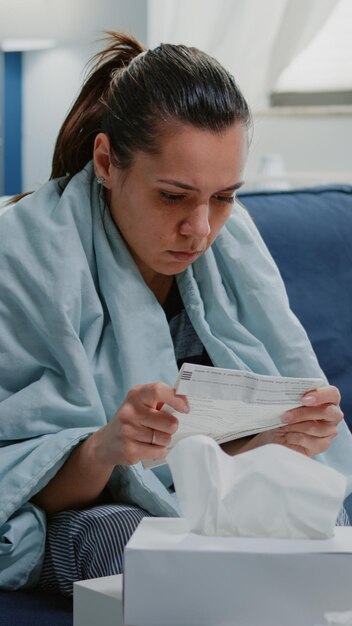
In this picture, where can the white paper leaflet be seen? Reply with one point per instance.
(228, 404)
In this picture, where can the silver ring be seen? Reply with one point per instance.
(152, 443)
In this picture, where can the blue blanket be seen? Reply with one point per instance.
(79, 327)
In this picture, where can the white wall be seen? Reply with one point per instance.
(314, 149)
(309, 145)
(50, 82)
(52, 78)
(69, 20)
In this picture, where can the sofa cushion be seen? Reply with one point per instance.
(309, 232)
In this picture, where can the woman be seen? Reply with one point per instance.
(132, 260)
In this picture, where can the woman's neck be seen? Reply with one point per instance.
(160, 285)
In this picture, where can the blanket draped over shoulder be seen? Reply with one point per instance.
(79, 327)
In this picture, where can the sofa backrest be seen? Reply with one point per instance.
(309, 234)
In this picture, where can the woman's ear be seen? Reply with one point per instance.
(102, 159)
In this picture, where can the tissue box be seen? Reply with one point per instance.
(173, 577)
(98, 601)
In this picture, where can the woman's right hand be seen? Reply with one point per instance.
(140, 429)
(125, 440)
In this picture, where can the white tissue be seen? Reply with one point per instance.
(344, 618)
(271, 491)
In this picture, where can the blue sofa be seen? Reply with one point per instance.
(308, 233)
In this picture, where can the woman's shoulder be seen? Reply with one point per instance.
(58, 210)
(47, 236)
(26, 214)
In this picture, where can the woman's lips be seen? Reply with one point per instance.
(185, 256)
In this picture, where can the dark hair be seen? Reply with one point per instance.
(131, 93)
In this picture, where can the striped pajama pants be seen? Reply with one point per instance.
(90, 543)
(86, 544)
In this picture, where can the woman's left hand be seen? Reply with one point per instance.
(311, 428)
(308, 429)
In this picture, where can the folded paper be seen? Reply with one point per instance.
(270, 491)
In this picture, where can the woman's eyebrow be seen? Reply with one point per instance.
(181, 185)
(234, 187)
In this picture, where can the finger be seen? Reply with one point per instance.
(132, 452)
(312, 445)
(297, 449)
(149, 436)
(135, 424)
(157, 394)
(323, 395)
(314, 428)
(328, 412)
(159, 420)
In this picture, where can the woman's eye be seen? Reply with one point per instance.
(228, 199)
(172, 197)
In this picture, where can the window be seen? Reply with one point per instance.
(322, 73)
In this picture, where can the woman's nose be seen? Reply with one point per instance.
(197, 222)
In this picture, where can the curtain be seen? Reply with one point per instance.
(253, 39)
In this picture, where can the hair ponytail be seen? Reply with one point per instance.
(75, 141)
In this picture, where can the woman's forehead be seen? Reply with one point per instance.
(194, 154)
